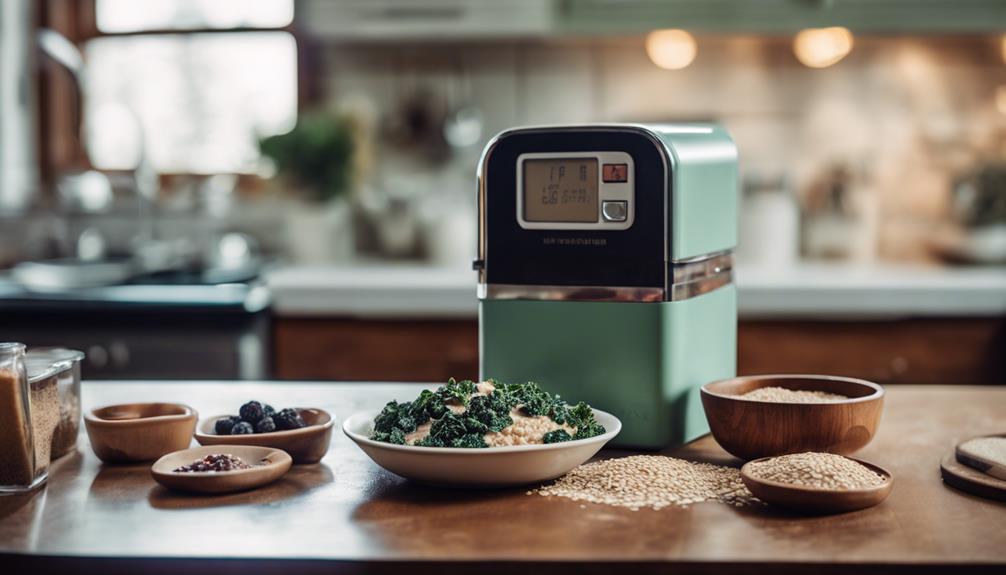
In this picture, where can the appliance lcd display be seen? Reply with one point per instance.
(560, 190)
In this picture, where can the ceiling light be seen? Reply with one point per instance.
(822, 47)
(671, 49)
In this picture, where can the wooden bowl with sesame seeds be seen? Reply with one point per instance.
(792, 414)
(814, 499)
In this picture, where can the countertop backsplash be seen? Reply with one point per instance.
(904, 116)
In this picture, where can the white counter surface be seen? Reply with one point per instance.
(832, 291)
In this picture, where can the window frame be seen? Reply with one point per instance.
(60, 113)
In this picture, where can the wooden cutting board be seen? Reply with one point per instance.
(960, 476)
(978, 458)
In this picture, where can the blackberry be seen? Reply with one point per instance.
(242, 428)
(267, 410)
(252, 412)
(225, 424)
(265, 425)
(288, 419)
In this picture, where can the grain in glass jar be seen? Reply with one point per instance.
(29, 414)
(65, 366)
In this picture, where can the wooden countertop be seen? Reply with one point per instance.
(346, 514)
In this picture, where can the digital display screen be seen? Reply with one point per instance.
(560, 190)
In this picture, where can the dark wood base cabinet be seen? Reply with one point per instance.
(375, 350)
(921, 350)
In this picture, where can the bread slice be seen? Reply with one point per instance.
(986, 454)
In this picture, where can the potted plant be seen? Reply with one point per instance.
(315, 159)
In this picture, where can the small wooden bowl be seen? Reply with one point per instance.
(810, 500)
(305, 445)
(135, 432)
(269, 465)
(750, 429)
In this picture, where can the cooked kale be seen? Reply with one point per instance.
(579, 415)
(473, 425)
(448, 427)
(591, 429)
(490, 410)
(389, 416)
(532, 399)
(394, 436)
(470, 440)
(557, 436)
(481, 414)
(459, 391)
(428, 405)
(428, 441)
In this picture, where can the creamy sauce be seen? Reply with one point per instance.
(420, 433)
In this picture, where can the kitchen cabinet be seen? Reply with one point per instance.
(474, 20)
(603, 17)
(375, 349)
(917, 350)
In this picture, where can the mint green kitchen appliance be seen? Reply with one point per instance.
(605, 268)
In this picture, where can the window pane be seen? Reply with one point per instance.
(202, 100)
(138, 15)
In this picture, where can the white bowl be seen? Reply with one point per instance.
(475, 467)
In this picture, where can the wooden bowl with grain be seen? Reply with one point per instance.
(133, 432)
(751, 428)
(810, 500)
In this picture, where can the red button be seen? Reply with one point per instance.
(615, 173)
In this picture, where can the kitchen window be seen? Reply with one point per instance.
(190, 84)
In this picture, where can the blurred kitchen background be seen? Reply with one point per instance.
(278, 188)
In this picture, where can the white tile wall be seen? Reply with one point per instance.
(910, 111)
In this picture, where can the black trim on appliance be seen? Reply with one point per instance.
(635, 257)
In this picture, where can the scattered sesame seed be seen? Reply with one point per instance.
(650, 481)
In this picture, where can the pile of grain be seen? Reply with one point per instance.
(25, 442)
(817, 470)
(16, 451)
(44, 419)
(650, 481)
(525, 430)
(783, 395)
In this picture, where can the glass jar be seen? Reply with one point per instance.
(64, 365)
(29, 413)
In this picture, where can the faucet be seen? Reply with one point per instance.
(146, 181)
